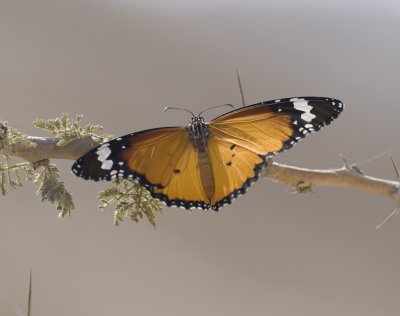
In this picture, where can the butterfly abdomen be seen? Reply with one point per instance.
(198, 135)
(206, 174)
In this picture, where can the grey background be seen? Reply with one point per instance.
(271, 252)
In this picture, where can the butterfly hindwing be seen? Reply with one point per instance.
(184, 188)
(234, 168)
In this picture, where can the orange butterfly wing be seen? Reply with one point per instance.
(184, 188)
(234, 168)
(153, 154)
(162, 159)
(241, 140)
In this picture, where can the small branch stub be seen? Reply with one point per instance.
(396, 197)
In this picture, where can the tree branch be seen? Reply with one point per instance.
(346, 177)
(302, 179)
(47, 148)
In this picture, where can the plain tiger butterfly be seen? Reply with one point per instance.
(208, 164)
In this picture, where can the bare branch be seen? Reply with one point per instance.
(47, 148)
(345, 177)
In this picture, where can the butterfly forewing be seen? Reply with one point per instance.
(148, 155)
(154, 154)
(276, 125)
(261, 133)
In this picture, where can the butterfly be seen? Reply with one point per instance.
(208, 164)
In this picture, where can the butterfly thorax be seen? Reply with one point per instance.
(198, 135)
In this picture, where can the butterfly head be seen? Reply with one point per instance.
(197, 126)
(196, 120)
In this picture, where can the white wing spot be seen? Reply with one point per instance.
(107, 165)
(103, 152)
(302, 105)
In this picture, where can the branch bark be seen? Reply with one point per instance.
(302, 179)
(46, 148)
(346, 177)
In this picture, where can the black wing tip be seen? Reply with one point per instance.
(308, 98)
(321, 111)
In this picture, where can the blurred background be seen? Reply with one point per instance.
(271, 252)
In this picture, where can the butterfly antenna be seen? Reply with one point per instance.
(179, 109)
(240, 88)
(214, 107)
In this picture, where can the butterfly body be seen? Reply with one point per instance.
(198, 135)
(207, 165)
